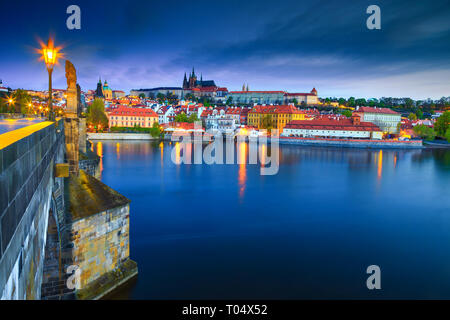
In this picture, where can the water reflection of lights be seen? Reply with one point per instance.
(242, 174)
(380, 164)
(161, 146)
(263, 155)
(177, 153)
(118, 150)
(100, 154)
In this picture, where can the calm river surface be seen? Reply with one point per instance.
(311, 231)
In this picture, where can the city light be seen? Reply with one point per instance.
(50, 54)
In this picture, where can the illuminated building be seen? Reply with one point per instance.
(274, 97)
(303, 98)
(130, 117)
(107, 92)
(332, 128)
(276, 116)
(386, 119)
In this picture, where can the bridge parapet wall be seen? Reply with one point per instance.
(27, 158)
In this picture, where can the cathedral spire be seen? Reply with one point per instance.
(185, 82)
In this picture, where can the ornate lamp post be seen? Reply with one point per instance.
(50, 55)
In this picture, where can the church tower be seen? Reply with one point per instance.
(99, 90)
(185, 82)
(192, 79)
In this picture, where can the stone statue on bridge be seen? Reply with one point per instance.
(71, 93)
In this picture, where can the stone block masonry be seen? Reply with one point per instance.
(27, 159)
(99, 227)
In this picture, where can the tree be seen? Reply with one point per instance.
(360, 102)
(142, 95)
(295, 102)
(412, 116)
(96, 116)
(192, 118)
(346, 113)
(442, 124)
(21, 100)
(424, 132)
(447, 135)
(351, 102)
(419, 114)
(409, 103)
(181, 117)
(342, 102)
(229, 100)
(160, 97)
(155, 130)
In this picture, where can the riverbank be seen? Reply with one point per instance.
(350, 143)
(324, 142)
(120, 136)
(437, 144)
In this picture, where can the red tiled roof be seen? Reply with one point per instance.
(140, 112)
(180, 125)
(331, 124)
(208, 89)
(375, 110)
(299, 94)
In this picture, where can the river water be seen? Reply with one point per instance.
(310, 231)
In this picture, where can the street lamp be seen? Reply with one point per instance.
(50, 55)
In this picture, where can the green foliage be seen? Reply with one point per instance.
(412, 116)
(154, 130)
(351, 102)
(96, 115)
(442, 124)
(192, 118)
(419, 114)
(21, 101)
(181, 117)
(447, 135)
(229, 100)
(361, 102)
(346, 113)
(142, 95)
(424, 132)
(342, 102)
(160, 97)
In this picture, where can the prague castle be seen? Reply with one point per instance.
(194, 83)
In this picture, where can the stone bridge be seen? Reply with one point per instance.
(27, 181)
(42, 183)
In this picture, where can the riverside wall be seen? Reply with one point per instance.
(120, 136)
(347, 143)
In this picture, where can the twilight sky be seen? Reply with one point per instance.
(272, 45)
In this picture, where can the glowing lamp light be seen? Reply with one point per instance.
(50, 54)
